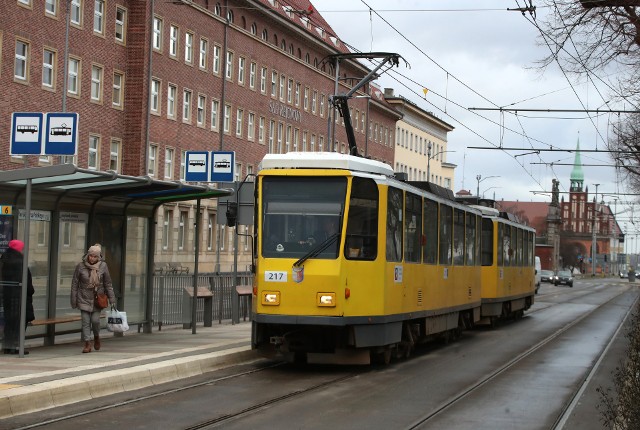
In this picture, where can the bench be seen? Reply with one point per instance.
(177, 269)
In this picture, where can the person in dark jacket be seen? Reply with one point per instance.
(11, 262)
(90, 278)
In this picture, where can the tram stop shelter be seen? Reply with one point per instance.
(70, 209)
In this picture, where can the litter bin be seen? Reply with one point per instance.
(632, 276)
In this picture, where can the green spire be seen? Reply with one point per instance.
(577, 176)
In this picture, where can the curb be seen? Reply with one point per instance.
(32, 398)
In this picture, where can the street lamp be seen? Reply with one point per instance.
(490, 188)
(479, 178)
(429, 158)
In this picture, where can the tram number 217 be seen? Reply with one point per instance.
(275, 276)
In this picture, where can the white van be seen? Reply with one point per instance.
(538, 274)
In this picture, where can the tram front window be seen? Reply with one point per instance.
(300, 213)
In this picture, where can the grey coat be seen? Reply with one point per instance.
(82, 295)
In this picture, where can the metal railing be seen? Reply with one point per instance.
(171, 298)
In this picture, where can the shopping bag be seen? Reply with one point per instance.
(117, 321)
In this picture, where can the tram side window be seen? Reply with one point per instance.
(506, 245)
(520, 247)
(527, 245)
(446, 225)
(500, 250)
(412, 228)
(394, 225)
(532, 249)
(430, 251)
(458, 237)
(478, 239)
(470, 240)
(362, 225)
(487, 242)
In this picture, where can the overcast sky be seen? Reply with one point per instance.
(478, 54)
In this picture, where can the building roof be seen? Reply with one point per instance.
(533, 214)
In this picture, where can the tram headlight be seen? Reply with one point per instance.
(326, 299)
(271, 298)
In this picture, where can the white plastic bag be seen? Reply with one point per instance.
(117, 321)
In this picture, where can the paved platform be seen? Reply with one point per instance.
(51, 376)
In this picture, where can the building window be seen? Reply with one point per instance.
(96, 83)
(229, 65)
(227, 119)
(48, 68)
(21, 61)
(202, 100)
(173, 41)
(304, 141)
(239, 121)
(290, 91)
(153, 159)
(50, 7)
(171, 101)
(215, 110)
(252, 75)
(98, 16)
(283, 79)
(312, 144)
(251, 126)
(166, 229)
(155, 96)
(94, 152)
(261, 130)
(121, 24)
(186, 106)
(272, 131)
(157, 33)
(241, 64)
(118, 85)
(287, 140)
(76, 12)
(322, 99)
(314, 102)
(183, 166)
(297, 96)
(211, 223)
(306, 99)
(263, 80)
(188, 48)
(168, 163)
(274, 83)
(280, 136)
(114, 155)
(265, 35)
(73, 84)
(182, 224)
(216, 59)
(204, 49)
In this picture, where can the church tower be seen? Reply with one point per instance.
(577, 176)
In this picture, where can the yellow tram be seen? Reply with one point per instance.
(353, 264)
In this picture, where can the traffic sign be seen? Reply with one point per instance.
(222, 166)
(61, 136)
(26, 133)
(197, 166)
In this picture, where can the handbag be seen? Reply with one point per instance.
(117, 321)
(101, 300)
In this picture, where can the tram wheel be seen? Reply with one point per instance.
(381, 356)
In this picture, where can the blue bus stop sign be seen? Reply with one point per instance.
(26, 133)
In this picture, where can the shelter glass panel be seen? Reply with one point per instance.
(134, 290)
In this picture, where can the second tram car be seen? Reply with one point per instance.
(353, 264)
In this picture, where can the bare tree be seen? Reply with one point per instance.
(590, 36)
(571, 253)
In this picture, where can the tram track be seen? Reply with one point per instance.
(488, 378)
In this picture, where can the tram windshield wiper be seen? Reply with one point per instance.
(318, 249)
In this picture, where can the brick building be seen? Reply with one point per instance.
(153, 79)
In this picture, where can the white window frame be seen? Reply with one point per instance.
(188, 47)
(172, 93)
(251, 126)
(51, 7)
(154, 104)
(253, 68)
(182, 229)
(241, 66)
(152, 167)
(216, 59)
(168, 163)
(21, 58)
(166, 229)
(158, 24)
(115, 147)
(174, 40)
(202, 110)
(263, 80)
(73, 73)
(93, 154)
(75, 15)
(97, 79)
(229, 66)
(49, 68)
(226, 128)
(261, 124)
(204, 51)
(239, 121)
(215, 112)
(122, 24)
(186, 105)
(118, 90)
(98, 16)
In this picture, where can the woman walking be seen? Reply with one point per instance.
(91, 278)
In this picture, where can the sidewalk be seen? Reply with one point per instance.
(61, 374)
